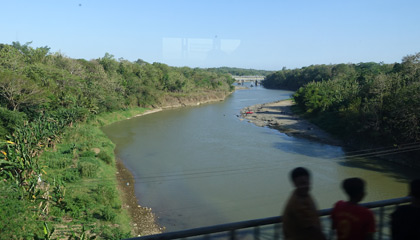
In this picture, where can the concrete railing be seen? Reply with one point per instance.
(270, 228)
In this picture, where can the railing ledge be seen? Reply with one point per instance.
(255, 222)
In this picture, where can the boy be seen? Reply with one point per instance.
(300, 217)
(350, 220)
(405, 221)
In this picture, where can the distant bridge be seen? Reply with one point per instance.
(248, 78)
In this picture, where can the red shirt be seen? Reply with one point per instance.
(352, 221)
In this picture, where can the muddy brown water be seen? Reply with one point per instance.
(200, 166)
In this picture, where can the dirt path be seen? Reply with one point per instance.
(278, 115)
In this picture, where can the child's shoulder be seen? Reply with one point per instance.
(340, 203)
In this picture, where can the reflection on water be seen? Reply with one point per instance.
(311, 150)
(200, 166)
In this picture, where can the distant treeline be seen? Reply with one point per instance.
(366, 103)
(240, 71)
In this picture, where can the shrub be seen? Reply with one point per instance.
(106, 194)
(113, 233)
(108, 213)
(71, 175)
(87, 154)
(87, 168)
(80, 207)
(9, 120)
(59, 163)
(105, 157)
(58, 213)
(68, 148)
(16, 214)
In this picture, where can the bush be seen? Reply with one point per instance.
(17, 214)
(71, 114)
(60, 162)
(9, 120)
(87, 154)
(58, 213)
(108, 213)
(68, 148)
(71, 175)
(77, 206)
(106, 194)
(113, 233)
(87, 167)
(105, 157)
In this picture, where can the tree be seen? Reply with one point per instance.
(17, 91)
(411, 67)
(11, 58)
(32, 55)
(109, 63)
(141, 62)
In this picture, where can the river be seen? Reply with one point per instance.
(200, 166)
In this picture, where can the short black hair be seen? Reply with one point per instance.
(415, 188)
(299, 171)
(353, 186)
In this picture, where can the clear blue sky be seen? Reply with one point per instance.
(256, 34)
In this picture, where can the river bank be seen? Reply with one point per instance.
(143, 220)
(278, 115)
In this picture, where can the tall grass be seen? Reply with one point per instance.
(91, 197)
(54, 176)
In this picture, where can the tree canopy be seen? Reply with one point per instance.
(34, 80)
(366, 103)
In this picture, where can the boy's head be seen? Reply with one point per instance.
(415, 188)
(355, 188)
(301, 180)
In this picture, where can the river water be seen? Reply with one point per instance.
(200, 166)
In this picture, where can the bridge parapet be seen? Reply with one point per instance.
(270, 228)
(248, 78)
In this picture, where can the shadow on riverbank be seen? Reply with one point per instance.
(279, 115)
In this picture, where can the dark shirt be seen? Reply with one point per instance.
(299, 215)
(405, 223)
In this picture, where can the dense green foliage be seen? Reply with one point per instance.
(49, 105)
(293, 79)
(365, 103)
(33, 80)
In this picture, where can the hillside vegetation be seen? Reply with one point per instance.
(366, 104)
(57, 169)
